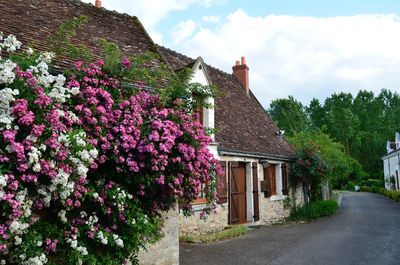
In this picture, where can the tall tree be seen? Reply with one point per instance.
(362, 125)
(289, 114)
(341, 123)
(316, 114)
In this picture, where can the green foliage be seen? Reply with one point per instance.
(61, 41)
(391, 194)
(289, 114)
(361, 124)
(314, 210)
(372, 185)
(316, 115)
(350, 186)
(344, 168)
(112, 56)
(229, 232)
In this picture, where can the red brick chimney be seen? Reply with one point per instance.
(97, 4)
(241, 71)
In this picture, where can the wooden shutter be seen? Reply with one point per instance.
(267, 184)
(272, 178)
(222, 188)
(255, 193)
(285, 184)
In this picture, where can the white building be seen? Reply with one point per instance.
(391, 164)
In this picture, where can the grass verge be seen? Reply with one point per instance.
(229, 232)
(314, 210)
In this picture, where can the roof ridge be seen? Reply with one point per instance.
(190, 58)
(103, 9)
(175, 52)
(219, 70)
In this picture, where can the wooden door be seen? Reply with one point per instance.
(237, 209)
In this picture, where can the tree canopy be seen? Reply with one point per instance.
(350, 130)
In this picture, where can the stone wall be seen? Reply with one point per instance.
(165, 251)
(272, 210)
(193, 225)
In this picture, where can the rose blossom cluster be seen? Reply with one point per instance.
(97, 166)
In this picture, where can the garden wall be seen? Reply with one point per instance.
(274, 211)
(193, 225)
(165, 251)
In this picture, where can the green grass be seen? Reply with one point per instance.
(229, 232)
(314, 210)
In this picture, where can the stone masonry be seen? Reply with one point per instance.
(165, 251)
(272, 212)
(193, 225)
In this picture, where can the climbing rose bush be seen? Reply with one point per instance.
(311, 170)
(86, 169)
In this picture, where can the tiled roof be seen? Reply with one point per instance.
(241, 123)
(35, 20)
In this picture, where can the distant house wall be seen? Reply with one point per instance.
(391, 169)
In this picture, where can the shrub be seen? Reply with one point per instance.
(310, 169)
(366, 189)
(87, 167)
(391, 194)
(350, 186)
(378, 183)
(314, 210)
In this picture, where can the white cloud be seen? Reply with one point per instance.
(304, 56)
(211, 19)
(183, 31)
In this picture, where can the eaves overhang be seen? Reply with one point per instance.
(230, 152)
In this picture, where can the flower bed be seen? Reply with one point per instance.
(86, 167)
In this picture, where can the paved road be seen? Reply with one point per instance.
(365, 230)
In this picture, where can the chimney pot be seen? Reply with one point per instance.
(98, 3)
(241, 71)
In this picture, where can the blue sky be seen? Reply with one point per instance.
(303, 48)
(315, 8)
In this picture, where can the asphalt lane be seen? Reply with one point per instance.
(365, 231)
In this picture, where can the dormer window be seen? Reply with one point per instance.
(202, 95)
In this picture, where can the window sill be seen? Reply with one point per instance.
(277, 197)
(199, 201)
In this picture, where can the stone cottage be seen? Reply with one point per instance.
(249, 145)
(391, 164)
